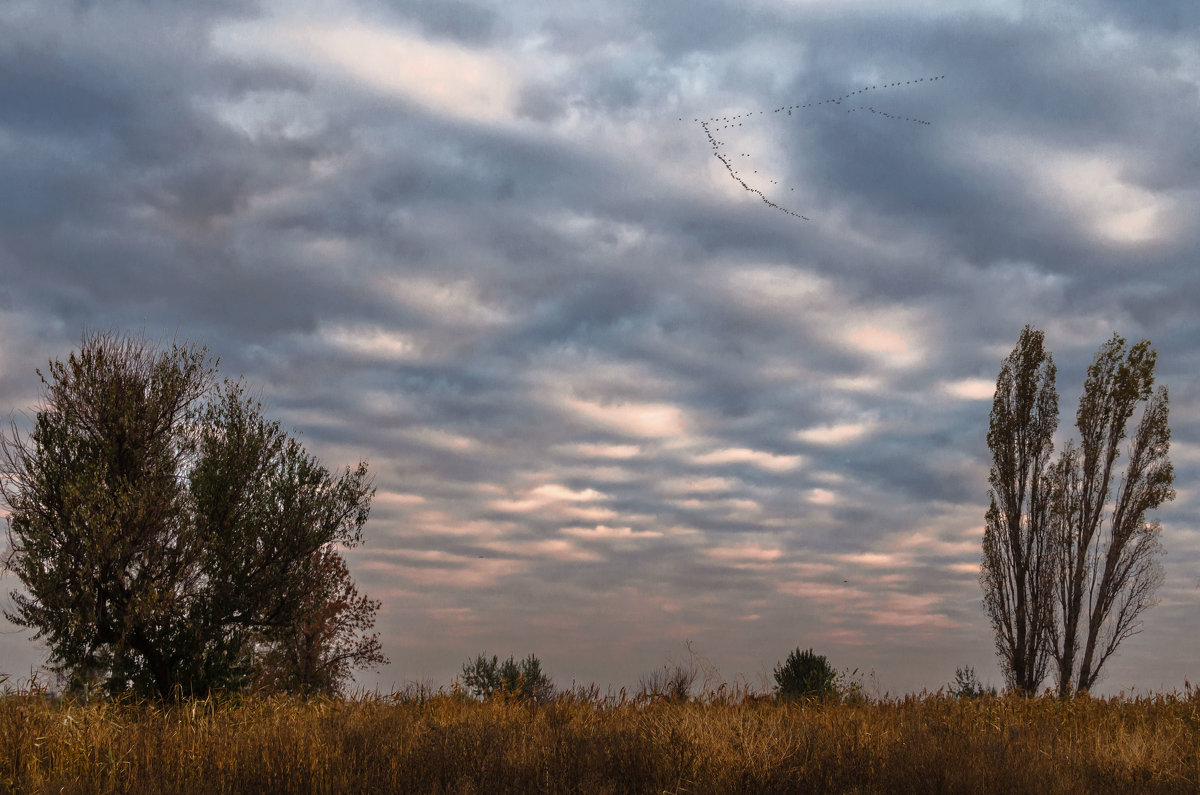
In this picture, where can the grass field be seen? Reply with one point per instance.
(586, 742)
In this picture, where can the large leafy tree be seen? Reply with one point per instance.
(159, 524)
(1070, 562)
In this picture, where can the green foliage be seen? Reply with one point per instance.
(492, 678)
(805, 674)
(164, 531)
(967, 685)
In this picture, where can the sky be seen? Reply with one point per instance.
(656, 323)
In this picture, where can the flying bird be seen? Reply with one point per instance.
(716, 145)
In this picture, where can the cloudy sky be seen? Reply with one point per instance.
(520, 257)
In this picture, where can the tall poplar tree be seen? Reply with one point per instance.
(1016, 570)
(1069, 562)
(1106, 551)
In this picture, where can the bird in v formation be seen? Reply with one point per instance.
(718, 123)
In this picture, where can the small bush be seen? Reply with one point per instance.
(673, 682)
(805, 674)
(849, 687)
(487, 679)
(967, 685)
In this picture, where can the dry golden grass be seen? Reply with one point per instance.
(583, 743)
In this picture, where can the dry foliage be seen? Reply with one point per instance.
(585, 742)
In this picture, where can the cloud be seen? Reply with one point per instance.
(478, 248)
(605, 533)
(372, 342)
(620, 451)
(556, 549)
(749, 552)
(1089, 189)
(447, 77)
(631, 419)
(822, 496)
(971, 389)
(554, 499)
(741, 455)
(842, 433)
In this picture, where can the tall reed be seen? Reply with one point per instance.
(588, 742)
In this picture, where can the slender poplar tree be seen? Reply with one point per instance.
(1070, 563)
(1015, 569)
(1106, 551)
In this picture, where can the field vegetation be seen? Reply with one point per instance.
(585, 740)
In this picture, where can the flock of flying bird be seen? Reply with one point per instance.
(717, 123)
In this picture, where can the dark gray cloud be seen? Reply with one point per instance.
(455, 20)
(612, 401)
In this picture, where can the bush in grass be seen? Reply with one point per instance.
(673, 682)
(849, 687)
(805, 674)
(967, 685)
(486, 678)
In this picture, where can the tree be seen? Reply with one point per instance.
(1016, 571)
(159, 524)
(316, 655)
(804, 674)
(488, 679)
(1105, 551)
(1083, 554)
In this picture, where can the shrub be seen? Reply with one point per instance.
(804, 674)
(967, 685)
(673, 682)
(849, 687)
(487, 679)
